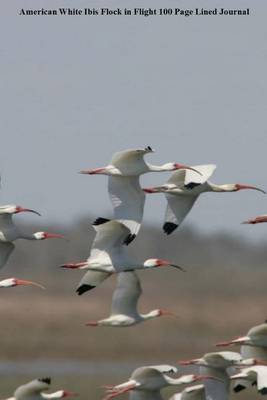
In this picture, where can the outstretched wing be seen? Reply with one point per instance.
(177, 208)
(6, 249)
(165, 368)
(128, 200)
(32, 388)
(108, 243)
(187, 177)
(6, 222)
(126, 158)
(221, 356)
(126, 294)
(152, 372)
(176, 396)
(261, 378)
(90, 280)
(205, 170)
(196, 392)
(258, 330)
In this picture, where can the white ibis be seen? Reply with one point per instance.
(253, 344)
(216, 365)
(125, 192)
(34, 391)
(108, 255)
(9, 232)
(124, 304)
(196, 392)
(253, 349)
(256, 375)
(184, 187)
(11, 282)
(146, 383)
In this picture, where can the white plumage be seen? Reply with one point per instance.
(184, 187)
(108, 255)
(146, 383)
(124, 304)
(124, 187)
(34, 391)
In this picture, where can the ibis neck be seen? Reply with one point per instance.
(27, 236)
(152, 314)
(55, 395)
(228, 187)
(173, 381)
(160, 168)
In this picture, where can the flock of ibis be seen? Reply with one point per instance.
(219, 373)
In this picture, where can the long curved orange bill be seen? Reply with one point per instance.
(186, 362)
(21, 209)
(177, 267)
(241, 186)
(168, 313)
(223, 344)
(114, 393)
(78, 265)
(91, 323)
(150, 190)
(92, 171)
(54, 235)
(69, 394)
(256, 220)
(28, 283)
(240, 340)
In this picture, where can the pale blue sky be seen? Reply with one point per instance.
(76, 89)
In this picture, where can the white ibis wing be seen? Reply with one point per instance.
(258, 330)
(241, 384)
(177, 209)
(257, 352)
(164, 368)
(126, 294)
(32, 388)
(196, 392)
(6, 222)
(177, 178)
(124, 158)
(183, 177)
(261, 378)
(90, 280)
(152, 371)
(176, 396)
(6, 249)
(108, 243)
(195, 389)
(217, 357)
(128, 200)
(205, 170)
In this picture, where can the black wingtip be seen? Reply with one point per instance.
(148, 148)
(191, 185)
(129, 239)
(169, 227)
(263, 391)
(84, 288)
(45, 380)
(238, 388)
(100, 221)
